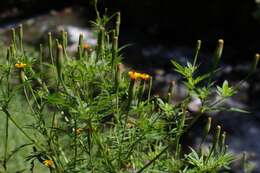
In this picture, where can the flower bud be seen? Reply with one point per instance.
(219, 50)
(20, 37)
(81, 41)
(118, 75)
(59, 61)
(118, 22)
(41, 57)
(256, 60)
(101, 41)
(207, 127)
(50, 47)
(22, 76)
(114, 49)
(12, 51)
(216, 137)
(13, 37)
(222, 141)
(198, 46)
(79, 53)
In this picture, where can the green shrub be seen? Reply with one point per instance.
(84, 113)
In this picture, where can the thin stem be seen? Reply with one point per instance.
(6, 143)
(154, 159)
(197, 52)
(75, 143)
(27, 99)
(150, 88)
(180, 131)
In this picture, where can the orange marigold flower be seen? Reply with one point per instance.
(134, 75)
(145, 76)
(86, 46)
(49, 163)
(20, 65)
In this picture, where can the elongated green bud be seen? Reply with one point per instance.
(207, 127)
(13, 37)
(216, 137)
(50, 46)
(226, 148)
(244, 162)
(13, 51)
(114, 49)
(57, 43)
(198, 46)
(59, 61)
(66, 39)
(113, 33)
(80, 46)
(222, 141)
(118, 22)
(96, 10)
(63, 39)
(118, 75)
(22, 76)
(20, 37)
(81, 41)
(41, 57)
(170, 91)
(79, 53)
(256, 60)
(219, 50)
(64, 42)
(101, 39)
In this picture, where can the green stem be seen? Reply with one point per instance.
(27, 99)
(197, 52)
(180, 131)
(150, 88)
(154, 159)
(75, 143)
(6, 143)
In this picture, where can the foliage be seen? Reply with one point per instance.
(86, 114)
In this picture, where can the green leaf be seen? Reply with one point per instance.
(225, 91)
(238, 110)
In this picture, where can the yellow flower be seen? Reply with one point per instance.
(48, 163)
(145, 76)
(79, 131)
(134, 75)
(129, 125)
(20, 65)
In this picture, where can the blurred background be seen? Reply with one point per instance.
(158, 31)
